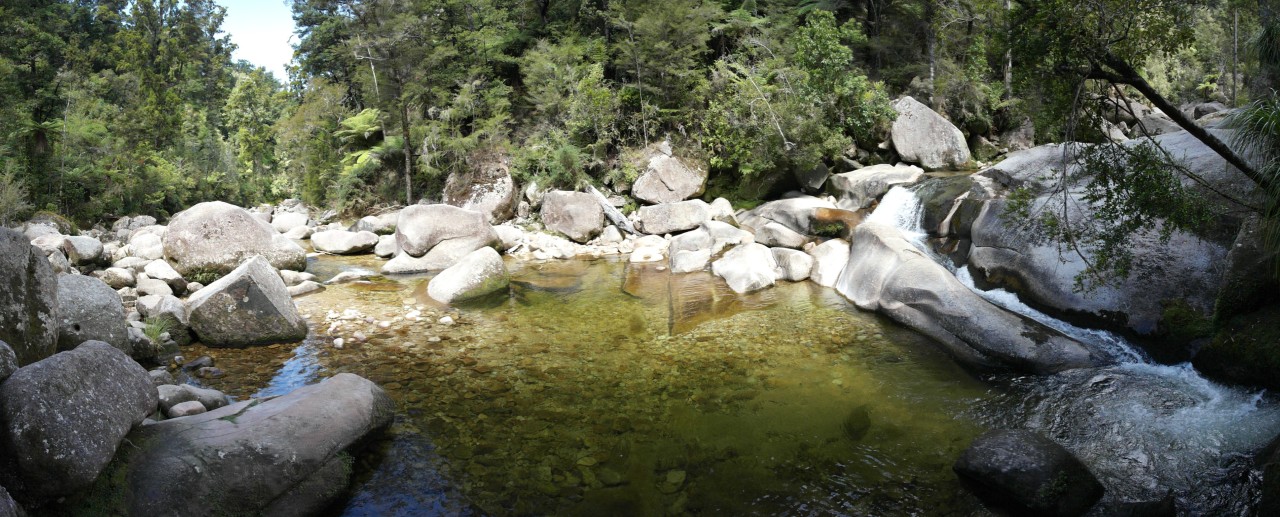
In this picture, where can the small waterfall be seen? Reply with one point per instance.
(1142, 427)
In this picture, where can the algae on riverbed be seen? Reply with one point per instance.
(606, 388)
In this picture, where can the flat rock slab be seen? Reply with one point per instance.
(239, 459)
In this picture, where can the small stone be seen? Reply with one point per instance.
(447, 320)
(197, 363)
(210, 372)
(676, 477)
(359, 337)
(337, 343)
(188, 408)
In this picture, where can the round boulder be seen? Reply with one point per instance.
(486, 188)
(668, 179)
(1027, 474)
(342, 242)
(210, 239)
(479, 273)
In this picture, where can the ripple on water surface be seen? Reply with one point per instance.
(598, 388)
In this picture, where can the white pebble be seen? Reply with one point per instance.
(447, 320)
(337, 343)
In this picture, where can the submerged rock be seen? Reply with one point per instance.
(64, 416)
(249, 306)
(256, 455)
(210, 239)
(1028, 474)
(887, 273)
(28, 299)
(922, 136)
(479, 273)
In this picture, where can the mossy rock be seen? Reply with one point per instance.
(1246, 351)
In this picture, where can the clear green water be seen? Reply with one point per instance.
(601, 388)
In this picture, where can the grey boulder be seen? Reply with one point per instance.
(162, 271)
(211, 239)
(284, 222)
(255, 454)
(82, 251)
(479, 273)
(63, 417)
(89, 309)
(672, 217)
(857, 189)
(576, 215)
(249, 306)
(796, 214)
(746, 268)
(166, 310)
(8, 361)
(887, 273)
(829, 259)
(439, 236)
(1028, 474)
(486, 188)
(342, 242)
(922, 136)
(793, 265)
(667, 178)
(28, 299)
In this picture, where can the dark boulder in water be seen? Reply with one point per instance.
(1027, 474)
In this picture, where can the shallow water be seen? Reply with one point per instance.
(600, 388)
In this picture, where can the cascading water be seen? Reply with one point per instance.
(1143, 428)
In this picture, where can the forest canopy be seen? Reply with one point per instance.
(118, 107)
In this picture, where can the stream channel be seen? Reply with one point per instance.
(606, 388)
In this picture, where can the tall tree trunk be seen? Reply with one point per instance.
(1008, 52)
(931, 48)
(408, 150)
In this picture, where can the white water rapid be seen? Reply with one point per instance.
(1143, 428)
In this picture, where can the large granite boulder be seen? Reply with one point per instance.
(89, 309)
(887, 273)
(1028, 474)
(285, 221)
(576, 215)
(1186, 271)
(288, 455)
(342, 242)
(747, 267)
(667, 178)
(857, 189)
(486, 188)
(829, 259)
(62, 418)
(434, 237)
(148, 242)
(82, 251)
(672, 217)
(210, 239)
(28, 299)
(384, 224)
(169, 312)
(479, 273)
(249, 306)
(922, 136)
(796, 214)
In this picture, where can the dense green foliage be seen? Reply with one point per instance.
(112, 107)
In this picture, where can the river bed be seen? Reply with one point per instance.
(605, 388)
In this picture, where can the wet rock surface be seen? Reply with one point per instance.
(1028, 473)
